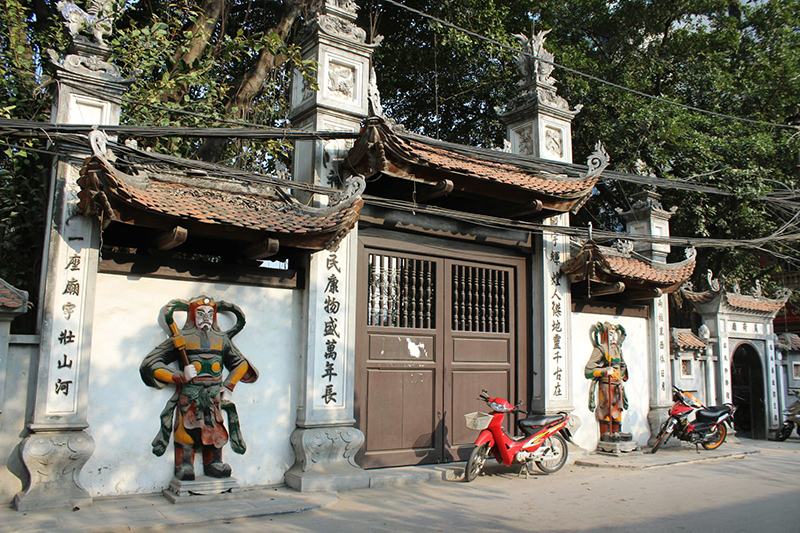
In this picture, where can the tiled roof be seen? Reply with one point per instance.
(12, 299)
(184, 197)
(751, 303)
(484, 164)
(734, 301)
(686, 339)
(632, 268)
(612, 265)
(560, 187)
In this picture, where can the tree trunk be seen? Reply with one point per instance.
(252, 82)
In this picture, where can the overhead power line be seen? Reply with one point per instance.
(590, 76)
(44, 130)
(25, 128)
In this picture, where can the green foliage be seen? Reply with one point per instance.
(739, 59)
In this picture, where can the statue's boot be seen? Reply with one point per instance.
(184, 462)
(212, 463)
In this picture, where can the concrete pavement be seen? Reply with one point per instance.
(276, 504)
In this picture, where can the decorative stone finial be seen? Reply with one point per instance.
(536, 66)
(97, 20)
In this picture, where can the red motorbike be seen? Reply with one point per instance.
(691, 421)
(544, 439)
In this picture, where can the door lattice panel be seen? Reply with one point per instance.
(401, 292)
(480, 299)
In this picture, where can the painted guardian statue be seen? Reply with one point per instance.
(201, 351)
(608, 372)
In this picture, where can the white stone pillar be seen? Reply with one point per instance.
(58, 445)
(553, 382)
(326, 439)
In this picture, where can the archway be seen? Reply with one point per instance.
(748, 393)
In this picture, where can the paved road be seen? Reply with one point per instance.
(754, 493)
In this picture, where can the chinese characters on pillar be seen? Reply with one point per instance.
(555, 314)
(68, 275)
(661, 346)
(556, 330)
(331, 305)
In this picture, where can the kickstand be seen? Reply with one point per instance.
(697, 447)
(524, 469)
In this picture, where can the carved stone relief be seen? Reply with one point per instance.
(554, 141)
(525, 142)
(341, 80)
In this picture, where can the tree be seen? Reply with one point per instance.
(228, 60)
(728, 57)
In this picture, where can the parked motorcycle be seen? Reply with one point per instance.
(543, 443)
(691, 421)
(792, 414)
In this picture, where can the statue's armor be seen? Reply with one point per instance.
(198, 409)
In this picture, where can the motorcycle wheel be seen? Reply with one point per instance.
(716, 438)
(476, 462)
(663, 437)
(784, 431)
(559, 449)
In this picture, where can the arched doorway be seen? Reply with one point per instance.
(748, 393)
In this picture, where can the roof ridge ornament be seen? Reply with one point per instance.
(597, 160)
(713, 284)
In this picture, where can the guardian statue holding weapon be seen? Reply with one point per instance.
(201, 351)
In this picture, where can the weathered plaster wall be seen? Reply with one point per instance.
(124, 413)
(634, 351)
(22, 351)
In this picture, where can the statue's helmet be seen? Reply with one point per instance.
(203, 312)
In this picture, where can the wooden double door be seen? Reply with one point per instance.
(435, 326)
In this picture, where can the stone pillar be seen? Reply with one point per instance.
(58, 445)
(647, 217)
(773, 380)
(539, 124)
(326, 439)
(13, 302)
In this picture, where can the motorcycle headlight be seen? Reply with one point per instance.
(499, 408)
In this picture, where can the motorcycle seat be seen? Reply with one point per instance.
(712, 413)
(537, 421)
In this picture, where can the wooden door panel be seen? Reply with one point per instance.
(406, 419)
(432, 333)
(471, 350)
(411, 347)
(466, 385)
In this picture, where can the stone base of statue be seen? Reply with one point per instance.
(201, 488)
(54, 460)
(617, 443)
(325, 460)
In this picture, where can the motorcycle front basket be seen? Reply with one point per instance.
(477, 420)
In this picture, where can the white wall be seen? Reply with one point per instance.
(634, 351)
(124, 412)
